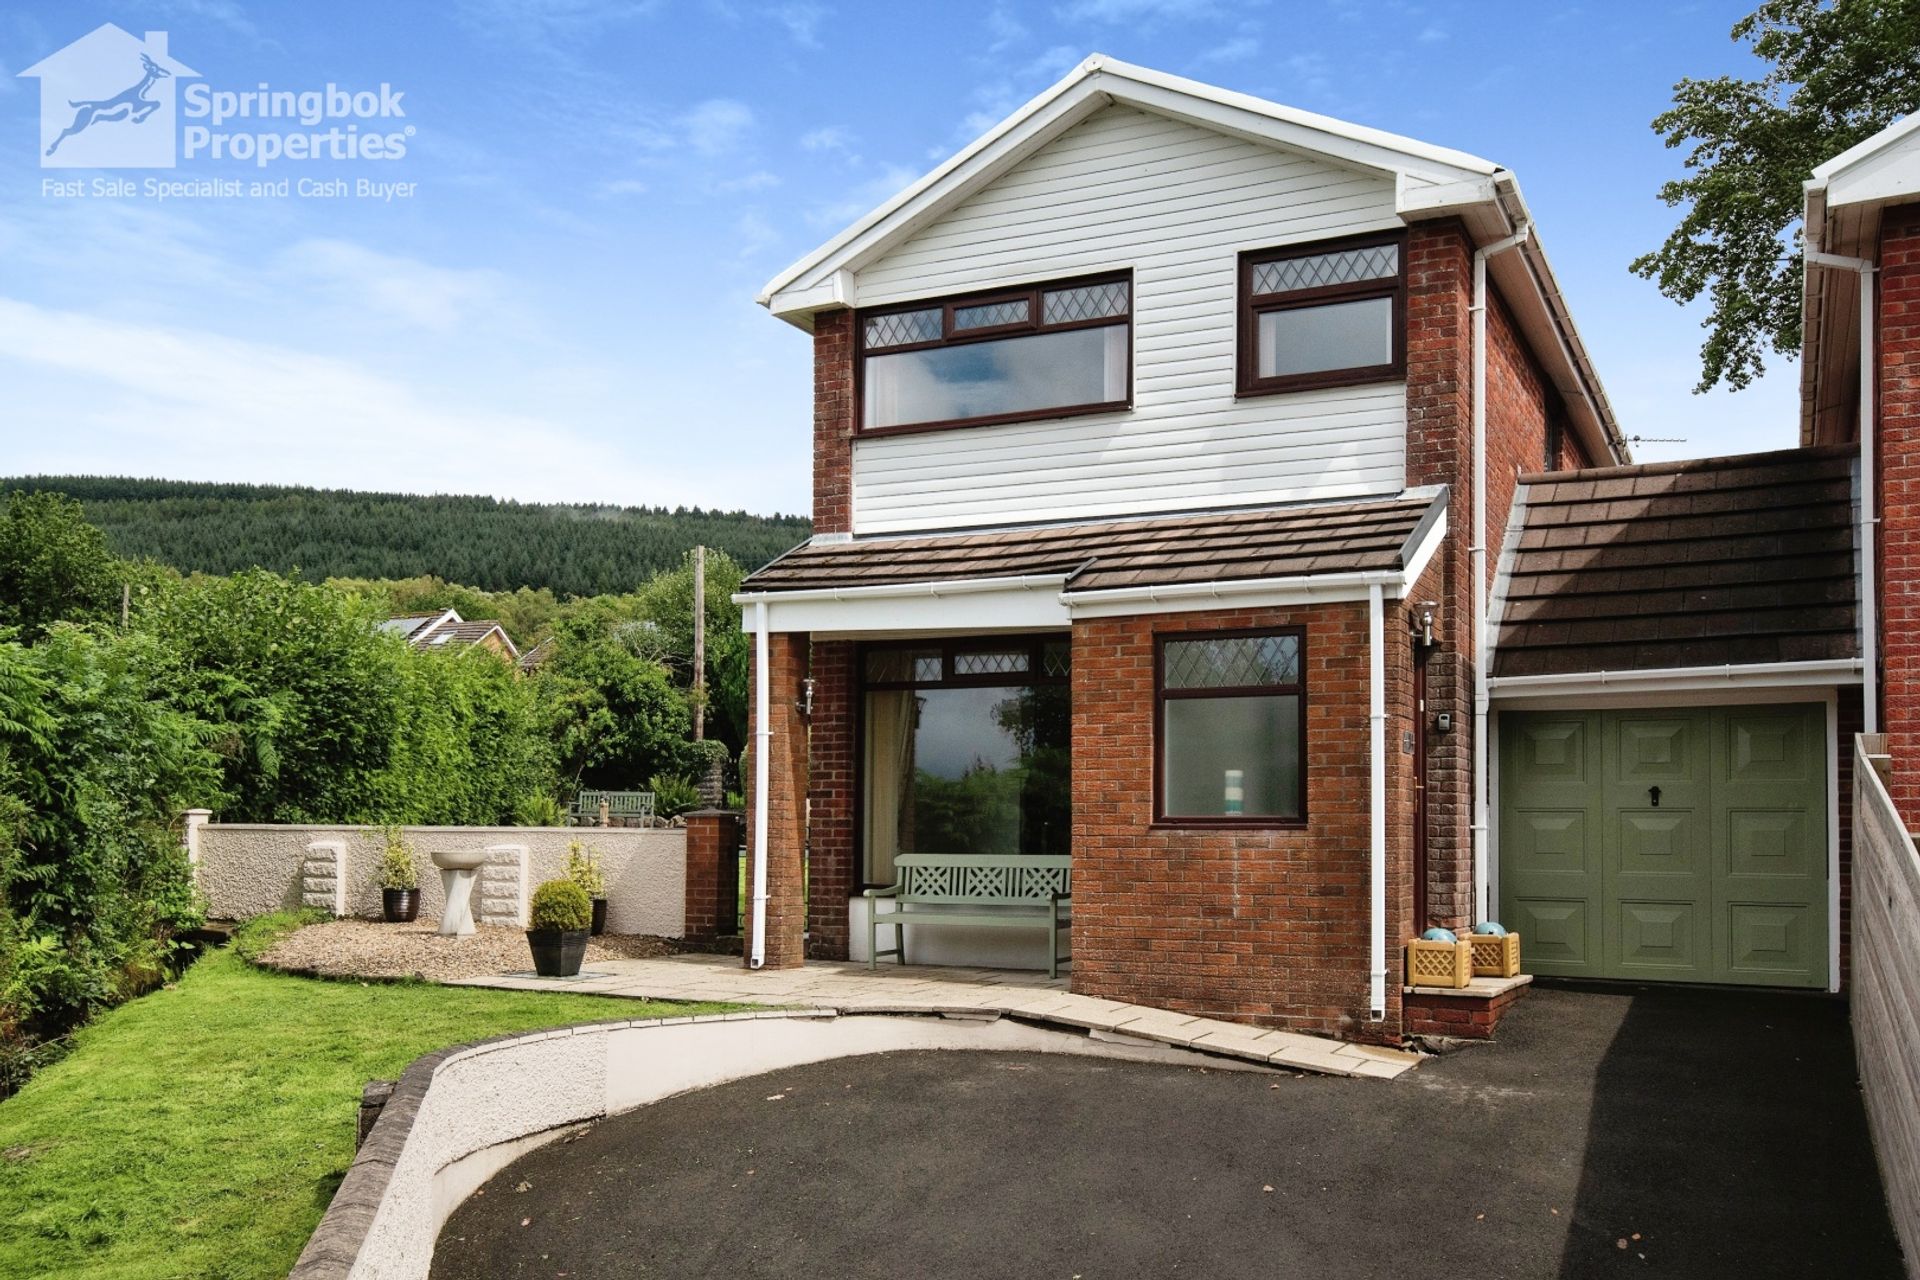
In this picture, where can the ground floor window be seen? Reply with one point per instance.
(1232, 717)
(965, 749)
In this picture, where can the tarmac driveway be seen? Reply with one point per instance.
(1618, 1132)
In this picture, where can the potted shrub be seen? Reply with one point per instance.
(399, 880)
(559, 918)
(583, 868)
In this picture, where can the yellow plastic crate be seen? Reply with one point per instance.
(1495, 957)
(1439, 964)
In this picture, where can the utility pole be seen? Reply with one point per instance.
(699, 643)
(126, 603)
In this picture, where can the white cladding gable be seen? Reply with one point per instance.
(1176, 204)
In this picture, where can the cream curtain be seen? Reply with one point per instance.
(890, 717)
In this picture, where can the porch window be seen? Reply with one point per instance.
(1322, 315)
(1042, 352)
(965, 749)
(1232, 722)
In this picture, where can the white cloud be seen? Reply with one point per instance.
(717, 125)
(1139, 13)
(169, 401)
(802, 21)
(1432, 33)
(388, 285)
(863, 198)
(1238, 49)
(1005, 29)
(758, 180)
(827, 138)
(623, 187)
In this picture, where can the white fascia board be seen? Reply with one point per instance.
(1679, 680)
(1031, 602)
(1864, 162)
(1094, 84)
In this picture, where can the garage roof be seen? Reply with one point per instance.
(1704, 563)
(1279, 542)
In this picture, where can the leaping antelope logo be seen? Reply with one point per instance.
(132, 105)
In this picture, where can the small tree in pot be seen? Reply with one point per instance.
(559, 917)
(399, 880)
(583, 868)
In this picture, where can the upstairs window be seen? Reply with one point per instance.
(1322, 315)
(1043, 352)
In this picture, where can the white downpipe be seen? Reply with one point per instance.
(1377, 794)
(762, 738)
(1477, 559)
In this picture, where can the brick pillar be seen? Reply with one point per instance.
(1440, 451)
(1899, 484)
(713, 841)
(831, 875)
(833, 422)
(786, 807)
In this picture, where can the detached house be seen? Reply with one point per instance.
(1167, 445)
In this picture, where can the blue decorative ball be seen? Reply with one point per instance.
(1491, 929)
(1437, 934)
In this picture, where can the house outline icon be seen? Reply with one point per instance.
(109, 101)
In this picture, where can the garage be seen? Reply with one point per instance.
(1676, 652)
(1682, 844)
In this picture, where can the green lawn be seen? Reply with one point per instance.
(200, 1131)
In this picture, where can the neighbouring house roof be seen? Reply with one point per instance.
(1430, 183)
(448, 630)
(1227, 546)
(1845, 200)
(1704, 563)
(534, 658)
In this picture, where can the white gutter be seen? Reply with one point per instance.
(1750, 675)
(1354, 583)
(956, 587)
(762, 738)
(1477, 560)
(1869, 616)
(1377, 793)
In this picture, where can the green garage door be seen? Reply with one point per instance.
(1678, 845)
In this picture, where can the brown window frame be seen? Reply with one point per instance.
(1252, 306)
(950, 338)
(1162, 695)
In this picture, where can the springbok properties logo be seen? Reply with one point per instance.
(111, 100)
(108, 101)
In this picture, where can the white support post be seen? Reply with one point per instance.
(762, 739)
(1377, 795)
(190, 832)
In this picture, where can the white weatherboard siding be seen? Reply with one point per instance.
(1176, 204)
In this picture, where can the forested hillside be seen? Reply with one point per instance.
(482, 542)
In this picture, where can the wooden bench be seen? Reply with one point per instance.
(994, 891)
(620, 804)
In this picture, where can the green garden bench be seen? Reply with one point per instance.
(997, 891)
(620, 804)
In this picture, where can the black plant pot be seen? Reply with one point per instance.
(400, 906)
(557, 953)
(599, 916)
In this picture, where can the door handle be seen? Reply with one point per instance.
(1653, 794)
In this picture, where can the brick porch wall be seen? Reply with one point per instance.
(786, 804)
(1260, 926)
(831, 873)
(833, 422)
(1899, 484)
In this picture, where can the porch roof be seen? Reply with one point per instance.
(1711, 562)
(1379, 535)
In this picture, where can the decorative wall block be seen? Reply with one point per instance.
(323, 877)
(502, 891)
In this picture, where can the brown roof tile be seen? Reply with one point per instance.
(1699, 563)
(1280, 542)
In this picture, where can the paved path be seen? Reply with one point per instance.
(1670, 1134)
(932, 989)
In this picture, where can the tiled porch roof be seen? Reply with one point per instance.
(1282, 542)
(1703, 563)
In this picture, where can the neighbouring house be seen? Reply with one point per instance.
(446, 631)
(1146, 492)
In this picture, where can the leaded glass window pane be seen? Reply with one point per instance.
(1317, 270)
(900, 666)
(902, 327)
(1232, 662)
(1088, 302)
(989, 315)
(1056, 658)
(996, 662)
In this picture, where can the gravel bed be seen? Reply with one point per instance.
(370, 949)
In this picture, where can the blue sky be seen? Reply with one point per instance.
(564, 309)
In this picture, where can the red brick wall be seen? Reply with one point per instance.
(1899, 468)
(1518, 404)
(832, 876)
(833, 422)
(786, 804)
(1262, 926)
(713, 838)
(1440, 451)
